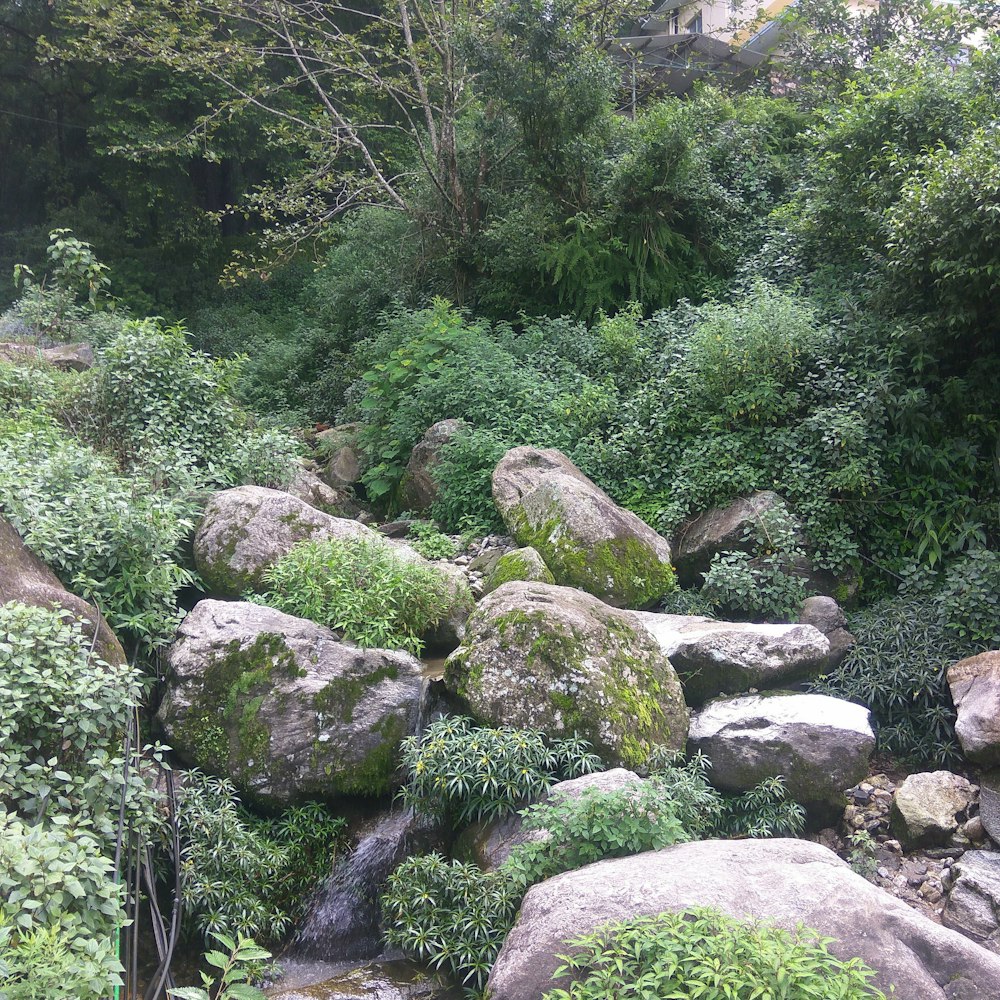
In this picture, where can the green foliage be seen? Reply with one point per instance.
(464, 475)
(898, 666)
(425, 539)
(706, 954)
(582, 829)
(231, 983)
(60, 912)
(862, 857)
(462, 772)
(362, 588)
(970, 598)
(113, 540)
(63, 716)
(451, 915)
(762, 582)
(764, 811)
(241, 875)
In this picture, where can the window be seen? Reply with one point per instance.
(694, 25)
(674, 23)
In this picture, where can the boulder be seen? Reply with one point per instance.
(713, 657)
(929, 807)
(283, 707)
(584, 537)
(825, 614)
(26, 579)
(559, 660)
(789, 882)
(820, 745)
(973, 906)
(975, 689)
(721, 529)
(418, 488)
(310, 489)
(519, 564)
(70, 357)
(245, 530)
(345, 461)
(989, 803)
(489, 844)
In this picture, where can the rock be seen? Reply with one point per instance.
(928, 808)
(713, 657)
(975, 689)
(820, 745)
(973, 906)
(560, 660)
(721, 529)
(825, 614)
(791, 882)
(70, 357)
(418, 488)
(989, 803)
(245, 530)
(345, 462)
(387, 980)
(520, 564)
(585, 539)
(283, 707)
(310, 489)
(26, 579)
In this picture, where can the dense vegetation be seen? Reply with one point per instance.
(785, 284)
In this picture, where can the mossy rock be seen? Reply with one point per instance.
(284, 708)
(559, 660)
(521, 564)
(585, 539)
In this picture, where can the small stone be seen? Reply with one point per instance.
(974, 830)
(894, 846)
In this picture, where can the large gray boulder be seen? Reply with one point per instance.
(559, 660)
(418, 488)
(929, 807)
(310, 489)
(584, 537)
(245, 530)
(721, 529)
(973, 906)
(820, 745)
(283, 707)
(825, 614)
(790, 882)
(975, 689)
(26, 579)
(518, 564)
(713, 657)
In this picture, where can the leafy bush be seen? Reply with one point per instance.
(425, 539)
(898, 668)
(763, 582)
(234, 972)
(63, 717)
(115, 541)
(706, 954)
(241, 875)
(59, 912)
(451, 915)
(464, 476)
(361, 588)
(462, 772)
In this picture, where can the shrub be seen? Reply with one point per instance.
(234, 972)
(115, 541)
(425, 539)
(464, 476)
(462, 772)
(898, 668)
(241, 875)
(451, 915)
(361, 588)
(59, 911)
(63, 718)
(706, 954)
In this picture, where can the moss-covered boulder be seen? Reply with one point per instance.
(519, 564)
(28, 580)
(584, 537)
(559, 660)
(820, 745)
(283, 707)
